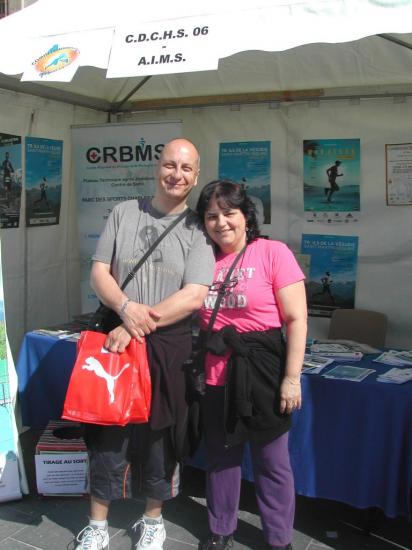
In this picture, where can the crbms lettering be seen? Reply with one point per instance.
(144, 153)
(124, 153)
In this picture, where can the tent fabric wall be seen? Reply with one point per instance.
(41, 264)
(385, 232)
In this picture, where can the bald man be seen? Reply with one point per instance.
(156, 305)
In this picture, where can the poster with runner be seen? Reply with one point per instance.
(331, 180)
(10, 180)
(248, 162)
(331, 283)
(44, 158)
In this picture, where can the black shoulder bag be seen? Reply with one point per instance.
(105, 319)
(195, 370)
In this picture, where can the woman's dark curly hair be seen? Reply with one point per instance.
(233, 195)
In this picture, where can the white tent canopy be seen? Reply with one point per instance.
(123, 57)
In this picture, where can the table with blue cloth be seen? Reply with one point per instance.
(350, 442)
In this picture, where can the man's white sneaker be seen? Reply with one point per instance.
(152, 534)
(92, 538)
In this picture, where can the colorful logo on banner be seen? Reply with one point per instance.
(55, 59)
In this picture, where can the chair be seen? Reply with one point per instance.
(360, 325)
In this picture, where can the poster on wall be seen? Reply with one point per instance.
(44, 159)
(112, 163)
(332, 275)
(331, 180)
(9, 458)
(398, 173)
(248, 162)
(10, 180)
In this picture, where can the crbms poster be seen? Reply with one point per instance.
(248, 162)
(113, 163)
(331, 179)
(10, 180)
(9, 463)
(332, 276)
(44, 159)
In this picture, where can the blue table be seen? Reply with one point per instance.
(43, 372)
(350, 442)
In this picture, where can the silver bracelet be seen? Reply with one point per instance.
(124, 306)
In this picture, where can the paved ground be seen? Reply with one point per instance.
(51, 523)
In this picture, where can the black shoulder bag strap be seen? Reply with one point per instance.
(195, 374)
(105, 319)
(152, 247)
(222, 290)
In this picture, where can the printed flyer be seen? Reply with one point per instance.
(331, 180)
(332, 278)
(398, 173)
(44, 159)
(10, 180)
(113, 163)
(248, 162)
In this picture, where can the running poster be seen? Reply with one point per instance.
(248, 162)
(9, 453)
(11, 180)
(331, 180)
(332, 277)
(43, 181)
(113, 163)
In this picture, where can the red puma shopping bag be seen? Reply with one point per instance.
(108, 388)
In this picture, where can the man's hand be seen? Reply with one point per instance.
(140, 319)
(117, 340)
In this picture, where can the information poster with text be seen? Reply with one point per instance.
(398, 173)
(248, 162)
(332, 276)
(331, 180)
(113, 163)
(10, 180)
(44, 158)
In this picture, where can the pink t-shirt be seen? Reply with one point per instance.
(250, 304)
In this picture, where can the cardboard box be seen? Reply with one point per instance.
(62, 464)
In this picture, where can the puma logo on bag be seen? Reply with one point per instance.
(92, 364)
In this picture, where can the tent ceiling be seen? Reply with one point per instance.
(373, 65)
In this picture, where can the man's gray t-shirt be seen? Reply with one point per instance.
(184, 256)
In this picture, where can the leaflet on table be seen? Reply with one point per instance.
(348, 372)
(397, 358)
(337, 351)
(314, 364)
(396, 376)
(350, 344)
(57, 333)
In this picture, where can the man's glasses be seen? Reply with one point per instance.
(222, 286)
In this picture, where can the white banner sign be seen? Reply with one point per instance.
(113, 163)
(165, 47)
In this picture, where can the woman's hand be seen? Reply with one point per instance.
(117, 340)
(290, 394)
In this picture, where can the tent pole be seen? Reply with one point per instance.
(395, 40)
(116, 106)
